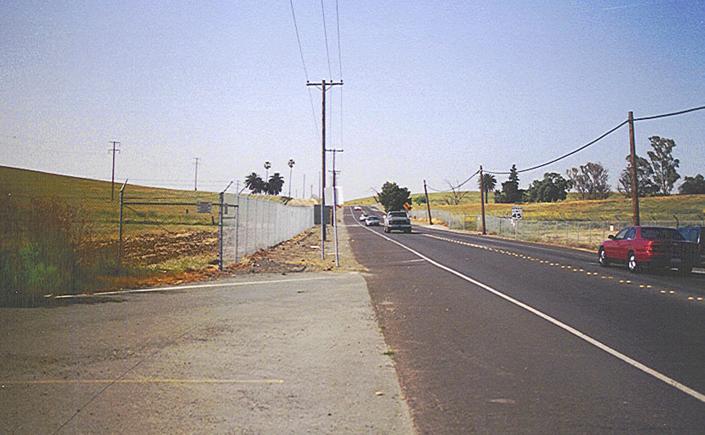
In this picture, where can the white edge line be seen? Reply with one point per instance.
(658, 375)
(185, 287)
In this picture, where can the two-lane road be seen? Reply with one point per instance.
(498, 336)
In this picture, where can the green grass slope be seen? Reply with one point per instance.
(616, 207)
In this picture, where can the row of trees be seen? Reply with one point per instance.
(656, 175)
(273, 186)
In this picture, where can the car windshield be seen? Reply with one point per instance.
(397, 214)
(661, 234)
(689, 233)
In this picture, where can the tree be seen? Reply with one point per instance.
(455, 196)
(275, 184)
(664, 166)
(510, 188)
(589, 180)
(644, 174)
(692, 186)
(420, 199)
(255, 183)
(551, 188)
(488, 182)
(393, 197)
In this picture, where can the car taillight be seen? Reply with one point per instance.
(655, 247)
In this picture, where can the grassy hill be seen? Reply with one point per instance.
(59, 234)
(92, 197)
(616, 207)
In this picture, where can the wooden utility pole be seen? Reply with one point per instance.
(482, 200)
(633, 171)
(324, 87)
(112, 179)
(428, 203)
(195, 177)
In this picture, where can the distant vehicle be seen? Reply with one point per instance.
(363, 216)
(372, 221)
(357, 208)
(397, 221)
(696, 235)
(648, 247)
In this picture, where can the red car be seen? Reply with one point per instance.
(648, 247)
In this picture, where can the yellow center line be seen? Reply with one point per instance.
(139, 381)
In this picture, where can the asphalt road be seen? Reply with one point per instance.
(496, 336)
(300, 353)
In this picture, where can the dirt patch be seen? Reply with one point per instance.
(302, 253)
(153, 248)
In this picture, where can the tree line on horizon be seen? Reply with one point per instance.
(656, 176)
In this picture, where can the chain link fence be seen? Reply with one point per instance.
(258, 223)
(453, 221)
(584, 234)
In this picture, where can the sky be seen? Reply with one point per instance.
(431, 89)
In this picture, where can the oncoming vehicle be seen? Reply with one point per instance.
(694, 233)
(372, 221)
(357, 208)
(397, 221)
(648, 247)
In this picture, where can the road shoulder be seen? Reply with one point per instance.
(268, 354)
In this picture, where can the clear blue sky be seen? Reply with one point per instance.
(432, 89)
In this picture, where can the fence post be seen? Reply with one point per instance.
(119, 253)
(220, 231)
(237, 230)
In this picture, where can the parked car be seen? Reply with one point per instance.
(397, 221)
(695, 234)
(372, 221)
(648, 247)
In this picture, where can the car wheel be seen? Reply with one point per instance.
(602, 257)
(632, 264)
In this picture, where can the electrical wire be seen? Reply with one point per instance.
(468, 179)
(303, 63)
(340, 68)
(455, 187)
(666, 115)
(592, 142)
(325, 35)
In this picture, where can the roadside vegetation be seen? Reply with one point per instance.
(58, 234)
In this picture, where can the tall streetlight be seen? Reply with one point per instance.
(291, 169)
(267, 165)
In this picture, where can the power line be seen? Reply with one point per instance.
(592, 142)
(340, 56)
(455, 187)
(325, 35)
(303, 64)
(340, 68)
(666, 115)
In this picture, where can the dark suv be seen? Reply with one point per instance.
(397, 221)
(695, 234)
